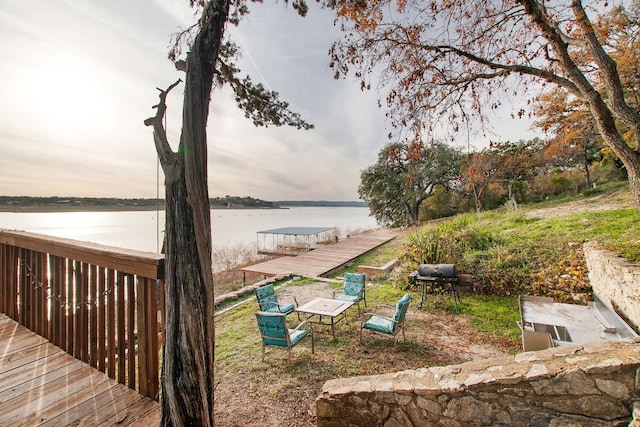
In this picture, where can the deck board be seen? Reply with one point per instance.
(324, 259)
(40, 384)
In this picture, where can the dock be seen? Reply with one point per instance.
(326, 258)
(40, 384)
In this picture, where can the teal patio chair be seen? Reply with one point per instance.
(388, 325)
(268, 300)
(275, 333)
(353, 290)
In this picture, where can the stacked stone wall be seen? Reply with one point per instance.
(589, 385)
(615, 280)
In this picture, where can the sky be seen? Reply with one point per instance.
(79, 77)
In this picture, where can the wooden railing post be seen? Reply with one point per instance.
(9, 280)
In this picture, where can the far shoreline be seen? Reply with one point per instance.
(52, 209)
(28, 204)
(71, 208)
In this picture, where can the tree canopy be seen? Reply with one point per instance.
(574, 138)
(447, 63)
(404, 176)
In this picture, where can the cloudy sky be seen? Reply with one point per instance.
(78, 78)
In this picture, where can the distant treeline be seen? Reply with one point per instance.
(61, 202)
(227, 202)
(321, 203)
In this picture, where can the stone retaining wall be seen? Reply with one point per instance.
(589, 385)
(615, 280)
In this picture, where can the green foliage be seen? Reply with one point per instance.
(404, 176)
(512, 253)
(443, 203)
(448, 242)
(587, 192)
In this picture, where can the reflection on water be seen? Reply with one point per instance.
(143, 230)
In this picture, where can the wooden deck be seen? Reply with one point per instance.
(42, 385)
(325, 259)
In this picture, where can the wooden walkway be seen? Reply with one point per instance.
(326, 258)
(41, 385)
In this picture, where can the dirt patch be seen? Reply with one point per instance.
(279, 393)
(593, 204)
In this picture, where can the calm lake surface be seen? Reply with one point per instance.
(143, 230)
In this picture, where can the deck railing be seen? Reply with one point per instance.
(98, 303)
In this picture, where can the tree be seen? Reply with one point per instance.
(479, 172)
(519, 162)
(448, 62)
(404, 176)
(575, 139)
(504, 163)
(188, 362)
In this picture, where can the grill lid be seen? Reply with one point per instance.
(437, 270)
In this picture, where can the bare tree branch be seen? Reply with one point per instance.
(166, 155)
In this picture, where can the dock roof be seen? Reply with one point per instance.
(297, 231)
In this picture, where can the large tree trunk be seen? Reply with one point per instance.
(187, 378)
(188, 364)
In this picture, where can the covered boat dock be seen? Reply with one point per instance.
(293, 241)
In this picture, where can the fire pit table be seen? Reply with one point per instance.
(332, 310)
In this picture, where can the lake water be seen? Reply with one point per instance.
(143, 230)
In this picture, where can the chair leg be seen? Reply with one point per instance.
(263, 352)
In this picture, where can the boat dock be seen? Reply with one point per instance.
(326, 258)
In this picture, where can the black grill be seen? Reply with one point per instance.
(437, 270)
(441, 278)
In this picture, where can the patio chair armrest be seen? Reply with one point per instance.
(383, 307)
(301, 324)
(367, 315)
(295, 301)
